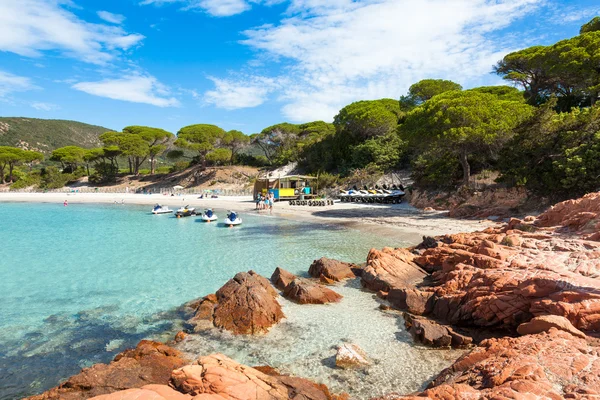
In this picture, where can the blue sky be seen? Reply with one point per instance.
(248, 64)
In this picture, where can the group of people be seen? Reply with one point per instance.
(265, 202)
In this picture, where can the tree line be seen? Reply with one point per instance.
(541, 132)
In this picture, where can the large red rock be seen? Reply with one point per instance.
(281, 278)
(303, 291)
(246, 304)
(390, 268)
(222, 378)
(149, 363)
(553, 365)
(575, 215)
(217, 377)
(331, 270)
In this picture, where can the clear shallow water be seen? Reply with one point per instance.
(305, 344)
(78, 284)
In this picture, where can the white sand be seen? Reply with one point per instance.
(375, 218)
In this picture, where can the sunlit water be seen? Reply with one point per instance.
(80, 283)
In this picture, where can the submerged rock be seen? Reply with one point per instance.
(303, 291)
(329, 270)
(350, 356)
(149, 363)
(434, 334)
(246, 304)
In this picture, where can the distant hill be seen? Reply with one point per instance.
(46, 135)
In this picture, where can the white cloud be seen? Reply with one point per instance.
(12, 83)
(235, 94)
(111, 18)
(335, 52)
(216, 8)
(44, 106)
(133, 88)
(32, 27)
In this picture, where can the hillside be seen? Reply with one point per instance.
(46, 135)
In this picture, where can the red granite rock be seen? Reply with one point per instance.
(303, 291)
(552, 365)
(281, 278)
(149, 363)
(390, 268)
(331, 270)
(246, 304)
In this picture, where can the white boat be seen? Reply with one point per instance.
(186, 211)
(158, 209)
(232, 219)
(209, 215)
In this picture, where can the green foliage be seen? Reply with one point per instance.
(180, 166)
(220, 156)
(436, 168)
(48, 134)
(235, 141)
(368, 119)
(502, 92)
(464, 123)
(104, 172)
(10, 157)
(285, 142)
(202, 138)
(555, 154)
(385, 152)
(250, 160)
(592, 26)
(70, 157)
(52, 178)
(23, 179)
(326, 180)
(424, 90)
(567, 69)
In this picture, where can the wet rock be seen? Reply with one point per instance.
(428, 243)
(350, 356)
(545, 322)
(412, 300)
(180, 336)
(149, 363)
(246, 304)
(390, 268)
(552, 365)
(303, 291)
(434, 334)
(281, 278)
(332, 270)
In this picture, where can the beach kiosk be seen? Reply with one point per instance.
(289, 187)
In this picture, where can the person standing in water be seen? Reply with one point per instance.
(65, 203)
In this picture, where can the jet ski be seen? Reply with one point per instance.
(232, 219)
(209, 215)
(186, 211)
(158, 209)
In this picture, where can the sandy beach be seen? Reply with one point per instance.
(375, 218)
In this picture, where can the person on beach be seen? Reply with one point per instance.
(257, 201)
(271, 201)
(266, 202)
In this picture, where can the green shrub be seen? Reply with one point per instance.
(180, 166)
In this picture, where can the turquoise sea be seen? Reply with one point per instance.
(79, 284)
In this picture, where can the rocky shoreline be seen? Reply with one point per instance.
(524, 297)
